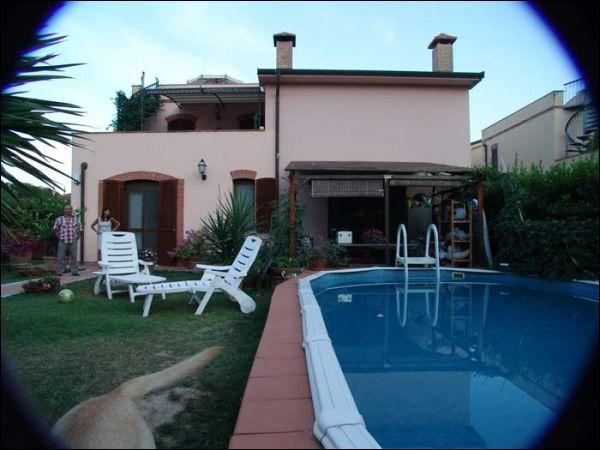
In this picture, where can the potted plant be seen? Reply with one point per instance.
(20, 246)
(148, 255)
(284, 266)
(335, 255)
(372, 236)
(42, 285)
(317, 258)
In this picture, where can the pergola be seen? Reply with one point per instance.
(371, 179)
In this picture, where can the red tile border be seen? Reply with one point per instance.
(277, 409)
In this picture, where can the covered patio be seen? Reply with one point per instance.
(359, 196)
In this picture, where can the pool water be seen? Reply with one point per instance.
(458, 364)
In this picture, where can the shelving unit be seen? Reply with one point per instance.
(448, 224)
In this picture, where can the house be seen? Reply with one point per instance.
(553, 129)
(350, 145)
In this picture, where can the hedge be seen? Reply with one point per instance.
(544, 221)
(551, 248)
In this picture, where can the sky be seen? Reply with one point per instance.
(177, 41)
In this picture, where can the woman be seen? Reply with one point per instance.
(104, 224)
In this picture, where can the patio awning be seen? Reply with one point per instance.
(321, 188)
(217, 93)
(430, 181)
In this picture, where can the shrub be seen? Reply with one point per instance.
(193, 245)
(147, 254)
(279, 240)
(227, 227)
(19, 243)
(544, 222)
(372, 236)
(42, 285)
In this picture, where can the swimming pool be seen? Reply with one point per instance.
(476, 359)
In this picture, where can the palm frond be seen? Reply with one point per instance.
(26, 122)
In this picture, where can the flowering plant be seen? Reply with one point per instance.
(192, 245)
(20, 243)
(147, 254)
(42, 285)
(373, 236)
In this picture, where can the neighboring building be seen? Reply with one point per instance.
(354, 142)
(553, 129)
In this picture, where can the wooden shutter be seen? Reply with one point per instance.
(266, 193)
(114, 198)
(167, 218)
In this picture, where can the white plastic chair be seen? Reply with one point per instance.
(120, 265)
(225, 279)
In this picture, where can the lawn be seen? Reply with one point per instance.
(67, 353)
(9, 274)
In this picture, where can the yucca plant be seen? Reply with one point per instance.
(26, 122)
(228, 226)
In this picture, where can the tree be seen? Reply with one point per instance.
(127, 116)
(26, 122)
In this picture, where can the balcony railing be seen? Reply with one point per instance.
(575, 88)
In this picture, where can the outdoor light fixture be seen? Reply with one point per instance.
(202, 169)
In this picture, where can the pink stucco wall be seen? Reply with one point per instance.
(205, 113)
(368, 123)
(174, 154)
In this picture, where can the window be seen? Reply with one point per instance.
(181, 125)
(495, 156)
(245, 189)
(142, 212)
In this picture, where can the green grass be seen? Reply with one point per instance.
(67, 353)
(8, 274)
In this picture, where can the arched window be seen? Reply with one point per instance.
(181, 122)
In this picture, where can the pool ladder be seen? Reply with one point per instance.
(405, 260)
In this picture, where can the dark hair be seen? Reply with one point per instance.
(102, 214)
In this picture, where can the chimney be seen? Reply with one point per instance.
(442, 53)
(284, 43)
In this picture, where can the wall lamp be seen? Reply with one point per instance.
(202, 169)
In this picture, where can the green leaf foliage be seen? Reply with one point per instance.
(227, 227)
(544, 222)
(127, 115)
(26, 122)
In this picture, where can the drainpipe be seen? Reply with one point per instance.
(82, 207)
(485, 154)
(277, 136)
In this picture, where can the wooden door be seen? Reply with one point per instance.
(167, 219)
(113, 198)
(266, 194)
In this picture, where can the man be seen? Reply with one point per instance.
(68, 231)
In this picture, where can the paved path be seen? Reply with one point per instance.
(9, 289)
(13, 288)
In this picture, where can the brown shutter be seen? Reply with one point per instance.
(266, 193)
(114, 198)
(167, 218)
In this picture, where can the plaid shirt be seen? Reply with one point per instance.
(68, 230)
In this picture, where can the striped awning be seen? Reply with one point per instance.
(427, 181)
(347, 188)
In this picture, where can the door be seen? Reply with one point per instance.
(141, 212)
(167, 219)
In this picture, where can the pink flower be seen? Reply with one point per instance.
(46, 286)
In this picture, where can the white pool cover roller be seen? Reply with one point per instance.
(338, 424)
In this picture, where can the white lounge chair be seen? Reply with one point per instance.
(120, 265)
(225, 279)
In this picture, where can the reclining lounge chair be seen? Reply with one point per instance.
(225, 279)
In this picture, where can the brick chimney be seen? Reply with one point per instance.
(284, 43)
(442, 53)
